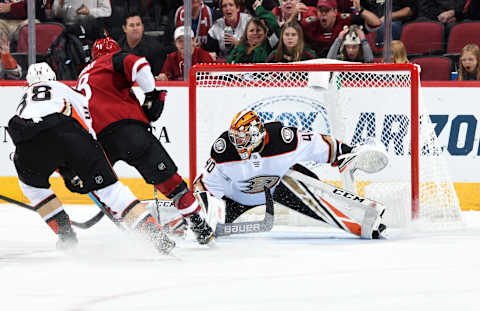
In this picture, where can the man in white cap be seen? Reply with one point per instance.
(173, 67)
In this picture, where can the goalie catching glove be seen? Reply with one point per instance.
(153, 104)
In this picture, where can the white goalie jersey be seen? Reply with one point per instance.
(44, 98)
(226, 175)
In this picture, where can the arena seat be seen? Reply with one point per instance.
(434, 68)
(46, 33)
(462, 34)
(413, 37)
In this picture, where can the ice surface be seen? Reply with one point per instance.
(290, 268)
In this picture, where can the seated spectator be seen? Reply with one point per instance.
(399, 52)
(443, 11)
(469, 12)
(402, 11)
(291, 47)
(295, 10)
(253, 46)
(267, 4)
(174, 65)
(13, 15)
(267, 17)
(329, 23)
(225, 34)
(353, 45)
(469, 63)
(202, 20)
(136, 42)
(85, 11)
(9, 69)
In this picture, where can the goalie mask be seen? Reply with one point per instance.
(40, 72)
(246, 133)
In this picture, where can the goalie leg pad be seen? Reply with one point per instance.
(340, 208)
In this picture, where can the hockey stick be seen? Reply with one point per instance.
(105, 211)
(264, 225)
(81, 225)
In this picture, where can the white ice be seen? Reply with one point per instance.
(290, 268)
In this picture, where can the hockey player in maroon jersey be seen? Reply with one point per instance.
(252, 155)
(52, 130)
(123, 128)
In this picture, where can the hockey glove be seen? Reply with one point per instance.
(153, 104)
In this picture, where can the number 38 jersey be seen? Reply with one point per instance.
(225, 174)
(45, 98)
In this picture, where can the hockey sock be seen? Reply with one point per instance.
(117, 197)
(176, 189)
(51, 211)
(135, 214)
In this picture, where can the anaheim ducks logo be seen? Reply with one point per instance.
(256, 184)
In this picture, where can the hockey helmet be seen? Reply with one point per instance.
(104, 46)
(246, 132)
(40, 72)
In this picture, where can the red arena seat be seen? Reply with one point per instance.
(413, 37)
(462, 34)
(434, 68)
(46, 34)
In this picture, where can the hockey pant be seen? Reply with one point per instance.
(133, 142)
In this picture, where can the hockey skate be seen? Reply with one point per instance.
(177, 227)
(367, 158)
(200, 228)
(67, 239)
(163, 243)
(168, 217)
(159, 238)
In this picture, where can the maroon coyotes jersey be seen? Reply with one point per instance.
(107, 83)
(321, 39)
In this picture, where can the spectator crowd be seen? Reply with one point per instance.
(237, 31)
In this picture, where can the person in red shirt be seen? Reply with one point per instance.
(173, 67)
(329, 23)
(290, 10)
(123, 125)
(202, 20)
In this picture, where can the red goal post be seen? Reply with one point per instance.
(242, 85)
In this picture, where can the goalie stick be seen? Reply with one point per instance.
(82, 225)
(221, 229)
(264, 225)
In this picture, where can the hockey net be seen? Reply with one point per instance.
(355, 103)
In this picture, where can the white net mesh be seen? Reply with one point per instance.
(354, 105)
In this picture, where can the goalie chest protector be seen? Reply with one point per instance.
(280, 140)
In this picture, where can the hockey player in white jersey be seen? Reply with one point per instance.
(51, 132)
(251, 155)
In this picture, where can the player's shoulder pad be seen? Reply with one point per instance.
(281, 139)
(223, 150)
(117, 61)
